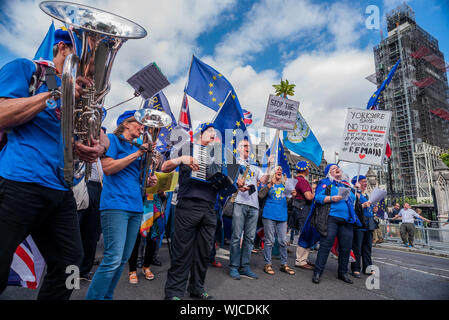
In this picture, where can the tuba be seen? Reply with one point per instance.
(100, 35)
(154, 121)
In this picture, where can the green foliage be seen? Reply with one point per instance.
(445, 158)
(284, 89)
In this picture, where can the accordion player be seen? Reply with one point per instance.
(214, 168)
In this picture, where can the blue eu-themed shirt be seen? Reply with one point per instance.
(33, 152)
(368, 212)
(122, 190)
(337, 209)
(276, 204)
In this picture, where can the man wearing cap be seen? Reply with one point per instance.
(34, 199)
(301, 207)
(194, 224)
(363, 236)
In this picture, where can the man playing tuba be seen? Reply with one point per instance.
(34, 199)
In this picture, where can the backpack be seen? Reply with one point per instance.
(37, 79)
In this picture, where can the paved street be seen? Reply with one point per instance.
(403, 275)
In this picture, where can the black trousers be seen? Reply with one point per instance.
(336, 227)
(194, 228)
(50, 217)
(89, 220)
(362, 246)
(150, 249)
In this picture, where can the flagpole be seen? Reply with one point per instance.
(188, 74)
(218, 112)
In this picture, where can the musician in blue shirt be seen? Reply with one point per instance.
(341, 218)
(194, 225)
(34, 198)
(121, 204)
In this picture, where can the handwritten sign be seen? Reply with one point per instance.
(365, 136)
(281, 113)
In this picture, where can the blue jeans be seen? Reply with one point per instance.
(336, 227)
(120, 230)
(244, 220)
(280, 228)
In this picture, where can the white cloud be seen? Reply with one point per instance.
(327, 80)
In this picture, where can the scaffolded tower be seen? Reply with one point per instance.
(418, 98)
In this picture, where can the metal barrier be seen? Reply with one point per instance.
(432, 238)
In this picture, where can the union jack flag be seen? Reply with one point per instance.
(27, 265)
(247, 117)
(184, 117)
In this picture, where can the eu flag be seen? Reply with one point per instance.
(160, 102)
(208, 86)
(282, 158)
(45, 51)
(303, 142)
(229, 121)
(375, 98)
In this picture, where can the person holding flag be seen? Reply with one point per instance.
(330, 217)
(31, 111)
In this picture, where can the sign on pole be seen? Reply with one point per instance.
(281, 113)
(365, 136)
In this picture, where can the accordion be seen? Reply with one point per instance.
(220, 172)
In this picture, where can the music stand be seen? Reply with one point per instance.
(148, 81)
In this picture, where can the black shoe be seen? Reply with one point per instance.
(345, 278)
(201, 296)
(172, 298)
(156, 262)
(316, 278)
(355, 275)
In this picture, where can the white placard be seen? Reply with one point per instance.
(365, 136)
(377, 196)
(281, 113)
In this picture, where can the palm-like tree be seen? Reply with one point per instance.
(284, 89)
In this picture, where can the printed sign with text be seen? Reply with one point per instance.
(281, 113)
(365, 136)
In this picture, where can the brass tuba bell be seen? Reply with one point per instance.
(154, 121)
(100, 35)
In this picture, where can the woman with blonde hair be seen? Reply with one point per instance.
(274, 219)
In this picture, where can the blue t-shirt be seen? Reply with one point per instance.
(368, 212)
(33, 152)
(337, 209)
(122, 190)
(276, 204)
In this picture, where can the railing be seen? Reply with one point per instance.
(434, 236)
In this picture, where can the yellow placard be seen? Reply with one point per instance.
(165, 182)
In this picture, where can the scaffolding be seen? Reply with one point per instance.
(417, 96)
(427, 158)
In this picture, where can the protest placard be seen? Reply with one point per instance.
(281, 113)
(365, 136)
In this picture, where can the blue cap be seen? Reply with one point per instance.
(62, 35)
(328, 167)
(354, 180)
(302, 165)
(125, 115)
(203, 127)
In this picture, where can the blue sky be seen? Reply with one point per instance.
(321, 46)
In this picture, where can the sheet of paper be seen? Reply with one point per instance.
(290, 185)
(344, 193)
(165, 182)
(377, 195)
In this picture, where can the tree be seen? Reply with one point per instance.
(284, 89)
(445, 158)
